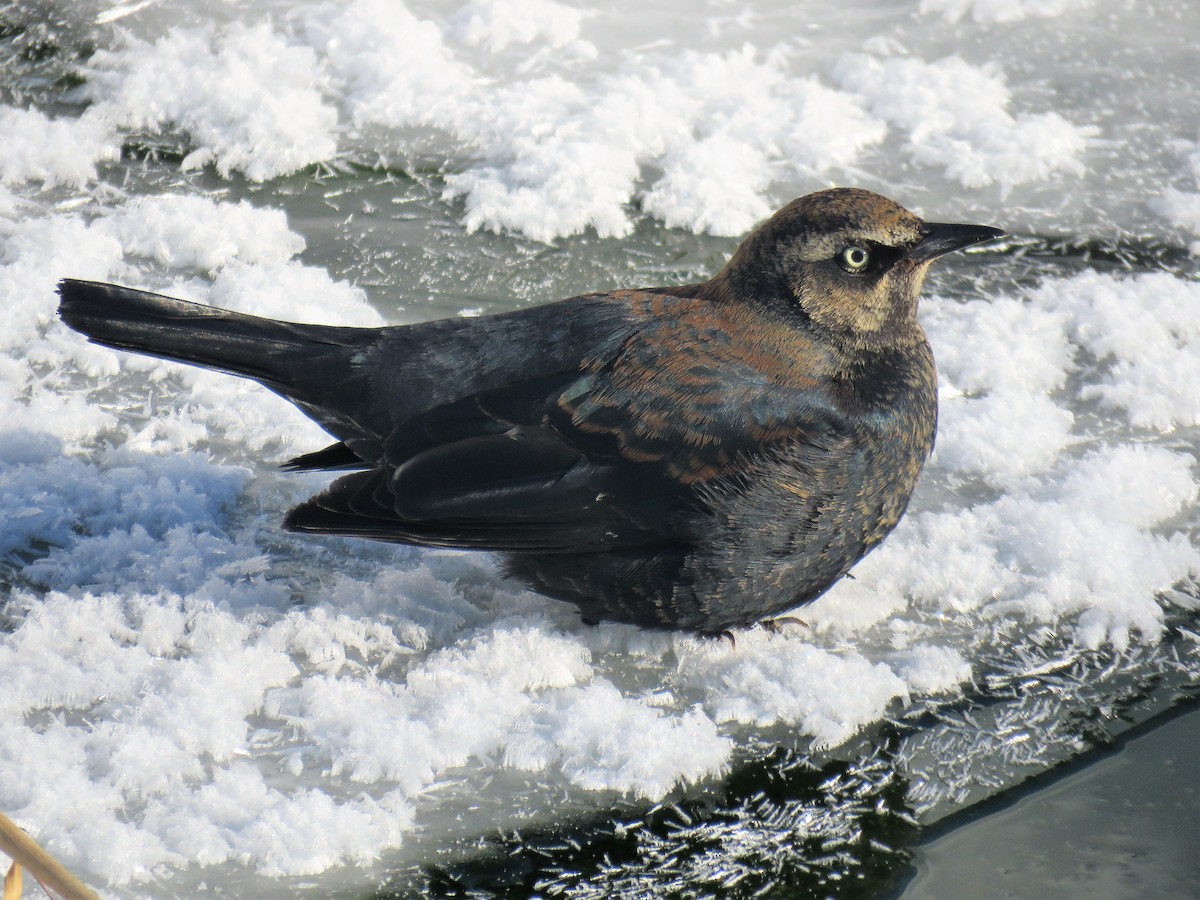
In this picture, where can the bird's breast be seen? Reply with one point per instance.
(894, 436)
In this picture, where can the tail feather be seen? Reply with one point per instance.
(284, 356)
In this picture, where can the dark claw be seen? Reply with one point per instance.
(776, 626)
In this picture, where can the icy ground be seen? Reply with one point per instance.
(192, 700)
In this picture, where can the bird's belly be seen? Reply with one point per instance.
(768, 543)
(793, 533)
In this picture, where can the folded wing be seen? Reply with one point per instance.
(614, 453)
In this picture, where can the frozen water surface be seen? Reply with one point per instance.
(194, 701)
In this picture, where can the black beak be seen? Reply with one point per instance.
(938, 240)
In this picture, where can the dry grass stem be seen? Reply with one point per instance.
(41, 865)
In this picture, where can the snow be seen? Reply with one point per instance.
(1145, 333)
(53, 151)
(496, 24)
(247, 99)
(802, 688)
(956, 116)
(188, 692)
(193, 232)
(990, 11)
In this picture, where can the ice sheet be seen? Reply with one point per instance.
(189, 693)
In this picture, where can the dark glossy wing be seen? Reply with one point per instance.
(363, 384)
(415, 387)
(607, 456)
(522, 490)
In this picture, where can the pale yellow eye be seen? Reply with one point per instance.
(855, 259)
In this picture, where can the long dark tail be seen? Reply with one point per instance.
(290, 358)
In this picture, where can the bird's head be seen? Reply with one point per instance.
(852, 262)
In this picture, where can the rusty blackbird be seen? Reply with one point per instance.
(699, 457)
